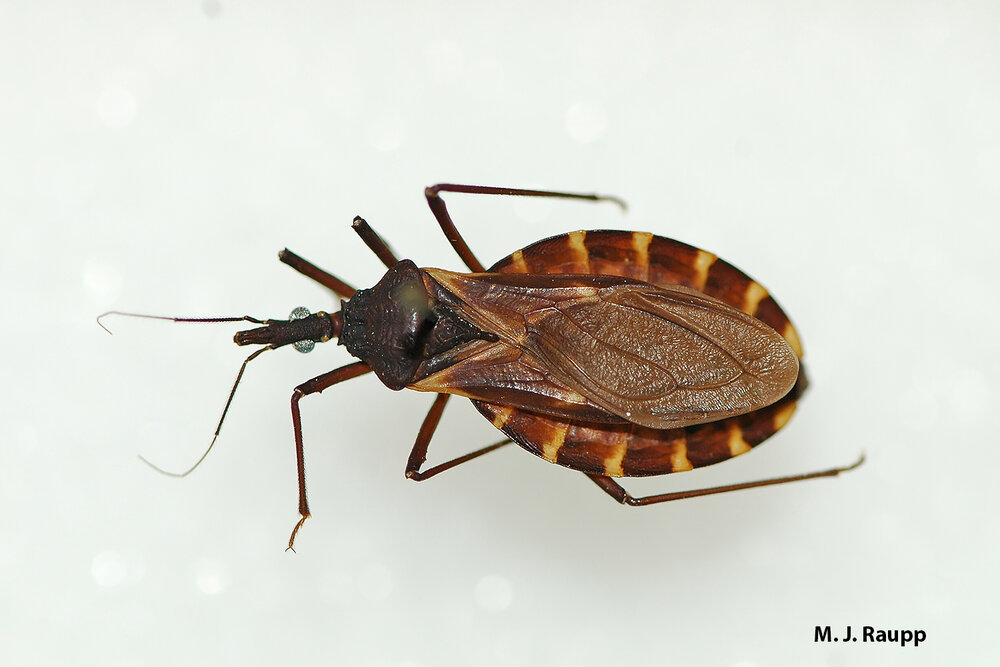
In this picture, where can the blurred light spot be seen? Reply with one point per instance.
(102, 281)
(444, 60)
(487, 78)
(919, 407)
(343, 94)
(336, 587)
(970, 395)
(211, 8)
(108, 569)
(211, 576)
(375, 581)
(385, 132)
(160, 51)
(116, 106)
(493, 593)
(585, 122)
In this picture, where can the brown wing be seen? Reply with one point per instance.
(501, 373)
(661, 357)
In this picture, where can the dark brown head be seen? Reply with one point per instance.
(397, 327)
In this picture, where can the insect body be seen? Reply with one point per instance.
(697, 379)
(612, 353)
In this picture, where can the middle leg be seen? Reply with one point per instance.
(419, 452)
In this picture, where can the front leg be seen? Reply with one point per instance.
(451, 232)
(314, 386)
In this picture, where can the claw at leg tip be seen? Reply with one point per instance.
(295, 531)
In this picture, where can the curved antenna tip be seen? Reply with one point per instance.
(186, 472)
(103, 315)
(617, 200)
(218, 429)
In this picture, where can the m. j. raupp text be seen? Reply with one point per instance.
(870, 635)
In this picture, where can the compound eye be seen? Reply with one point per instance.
(302, 346)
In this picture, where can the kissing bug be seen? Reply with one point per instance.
(613, 353)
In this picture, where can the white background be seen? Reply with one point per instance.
(155, 157)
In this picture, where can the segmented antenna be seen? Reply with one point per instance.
(232, 393)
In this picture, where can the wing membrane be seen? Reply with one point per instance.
(662, 357)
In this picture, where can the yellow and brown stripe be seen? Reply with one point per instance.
(609, 253)
(566, 253)
(640, 246)
(624, 254)
(630, 450)
(655, 452)
(737, 444)
(517, 263)
(502, 414)
(637, 255)
(674, 263)
(654, 259)
(634, 451)
(729, 284)
(578, 251)
(771, 314)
